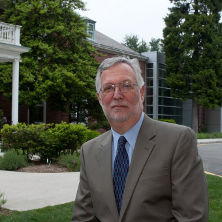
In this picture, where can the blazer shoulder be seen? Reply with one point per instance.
(160, 127)
(97, 140)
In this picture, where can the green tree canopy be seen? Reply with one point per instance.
(60, 66)
(133, 42)
(155, 45)
(193, 46)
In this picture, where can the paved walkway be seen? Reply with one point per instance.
(211, 155)
(206, 141)
(26, 191)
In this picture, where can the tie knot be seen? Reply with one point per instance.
(122, 141)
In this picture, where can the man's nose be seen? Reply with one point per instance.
(117, 93)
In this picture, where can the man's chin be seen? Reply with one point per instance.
(118, 117)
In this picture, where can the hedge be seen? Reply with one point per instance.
(48, 141)
(167, 120)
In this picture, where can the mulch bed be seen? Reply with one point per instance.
(37, 168)
(4, 211)
(43, 168)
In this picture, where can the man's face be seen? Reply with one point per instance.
(121, 106)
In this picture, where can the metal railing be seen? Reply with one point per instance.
(10, 33)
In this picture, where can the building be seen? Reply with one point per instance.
(43, 112)
(209, 120)
(158, 102)
(108, 47)
(160, 105)
(10, 51)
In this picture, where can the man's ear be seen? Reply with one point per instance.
(99, 98)
(142, 92)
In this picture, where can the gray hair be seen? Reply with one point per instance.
(107, 63)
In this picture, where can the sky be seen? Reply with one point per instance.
(118, 18)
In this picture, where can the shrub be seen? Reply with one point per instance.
(46, 140)
(12, 161)
(1, 120)
(2, 200)
(209, 135)
(70, 161)
(167, 120)
(67, 138)
(23, 137)
(91, 134)
(102, 124)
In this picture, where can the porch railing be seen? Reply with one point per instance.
(10, 33)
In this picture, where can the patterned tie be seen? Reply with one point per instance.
(121, 167)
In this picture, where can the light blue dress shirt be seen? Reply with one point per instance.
(131, 136)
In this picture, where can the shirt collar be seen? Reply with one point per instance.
(132, 133)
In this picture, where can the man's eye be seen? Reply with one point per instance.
(108, 88)
(127, 85)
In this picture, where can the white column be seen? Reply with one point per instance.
(15, 91)
(17, 35)
(221, 119)
(44, 112)
(155, 87)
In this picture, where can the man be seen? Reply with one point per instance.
(141, 170)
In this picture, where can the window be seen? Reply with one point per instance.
(149, 100)
(149, 82)
(150, 65)
(36, 114)
(150, 73)
(150, 91)
(149, 110)
(91, 29)
(164, 91)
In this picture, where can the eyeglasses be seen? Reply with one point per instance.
(124, 87)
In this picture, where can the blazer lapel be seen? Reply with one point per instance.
(143, 148)
(104, 158)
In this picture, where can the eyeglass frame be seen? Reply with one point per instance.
(120, 86)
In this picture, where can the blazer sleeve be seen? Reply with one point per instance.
(189, 186)
(83, 207)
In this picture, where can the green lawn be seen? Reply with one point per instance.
(62, 213)
(59, 213)
(209, 135)
(215, 196)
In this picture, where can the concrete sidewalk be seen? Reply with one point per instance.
(27, 191)
(207, 141)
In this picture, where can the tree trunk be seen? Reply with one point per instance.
(194, 116)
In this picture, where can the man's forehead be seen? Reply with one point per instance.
(119, 68)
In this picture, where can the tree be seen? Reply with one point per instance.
(155, 45)
(143, 47)
(60, 67)
(193, 46)
(132, 41)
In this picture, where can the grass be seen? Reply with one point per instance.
(63, 213)
(209, 135)
(70, 161)
(59, 213)
(12, 161)
(215, 196)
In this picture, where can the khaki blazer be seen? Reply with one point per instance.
(165, 182)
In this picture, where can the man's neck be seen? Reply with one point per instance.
(123, 127)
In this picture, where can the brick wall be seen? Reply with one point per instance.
(53, 116)
(5, 106)
(105, 55)
(56, 116)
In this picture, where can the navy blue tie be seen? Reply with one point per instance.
(121, 167)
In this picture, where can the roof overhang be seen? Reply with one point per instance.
(9, 52)
(108, 49)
